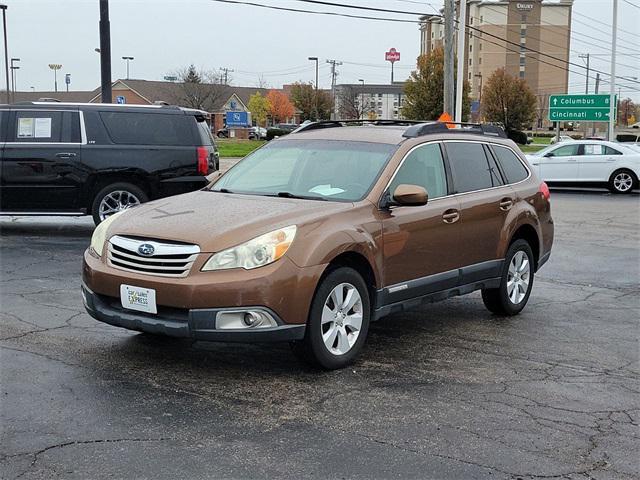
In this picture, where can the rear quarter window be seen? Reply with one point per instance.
(148, 128)
(512, 167)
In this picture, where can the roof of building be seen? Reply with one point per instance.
(75, 97)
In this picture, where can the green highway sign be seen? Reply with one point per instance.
(581, 108)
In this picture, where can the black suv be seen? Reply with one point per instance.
(97, 159)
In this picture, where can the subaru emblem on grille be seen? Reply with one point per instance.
(146, 249)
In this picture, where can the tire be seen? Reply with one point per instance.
(347, 341)
(622, 181)
(118, 196)
(501, 300)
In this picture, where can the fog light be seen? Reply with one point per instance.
(244, 319)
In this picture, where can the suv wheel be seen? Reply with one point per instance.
(338, 321)
(115, 198)
(622, 181)
(516, 282)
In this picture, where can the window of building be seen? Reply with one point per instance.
(471, 48)
(470, 20)
(470, 61)
(481, 19)
(469, 166)
(522, 74)
(480, 46)
(469, 75)
(424, 167)
(523, 32)
(524, 18)
(522, 60)
(479, 60)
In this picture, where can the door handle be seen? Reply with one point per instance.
(506, 203)
(451, 216)
(571, 160)
(65, 155)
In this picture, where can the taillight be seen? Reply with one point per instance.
(544, 190)
(203, 160)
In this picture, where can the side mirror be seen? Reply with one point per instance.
(550, 154)
(410, 195)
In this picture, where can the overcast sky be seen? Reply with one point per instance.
(164, 35)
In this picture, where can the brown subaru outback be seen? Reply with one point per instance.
(317, 234)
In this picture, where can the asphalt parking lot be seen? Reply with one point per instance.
(449, 391)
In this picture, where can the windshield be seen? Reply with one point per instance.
(316, 169)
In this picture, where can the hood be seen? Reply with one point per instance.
(215, 221)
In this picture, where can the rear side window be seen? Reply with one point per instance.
(204, 132)
(37, 126)
(611, 151)
(512, 167)
(469, 166)
(424, 167)
(148, 128)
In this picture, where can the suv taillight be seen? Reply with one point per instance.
(203, 160)
(544, 190)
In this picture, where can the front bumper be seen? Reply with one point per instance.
(198, 324)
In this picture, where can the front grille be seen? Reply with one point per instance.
(167, 259)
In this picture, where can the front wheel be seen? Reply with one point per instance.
(115, 198)
(338, 321)
(516, 281)
(622, 181)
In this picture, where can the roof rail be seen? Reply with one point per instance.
(344, 123)
(426, 128)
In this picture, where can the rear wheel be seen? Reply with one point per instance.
(115, 198)
(516, 281)
(338, 321)
(622, 181)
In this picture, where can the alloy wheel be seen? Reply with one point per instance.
(518, 277)
(622, 182)
(117, 201)
(341, 319)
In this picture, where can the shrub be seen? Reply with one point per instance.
(276, 132)
(517, 136)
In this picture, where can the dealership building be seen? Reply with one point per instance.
(509, 34)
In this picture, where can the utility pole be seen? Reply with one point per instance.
(334, 74)
(105, 52)
(586, 55)
(462, 22)
(225, 74)
(6, 52)
(315, 100)
(449, 7)
(593, 125)
(612, 92)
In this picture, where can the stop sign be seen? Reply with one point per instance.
(392, 55)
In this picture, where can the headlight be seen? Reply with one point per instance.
(100, 234)
(260, 251)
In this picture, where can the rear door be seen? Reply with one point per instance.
(561, 164)
(41, 165)
(484, 203)
(597, 161)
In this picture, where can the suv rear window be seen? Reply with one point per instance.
(131, 128)
(469, 166)
(511, 164)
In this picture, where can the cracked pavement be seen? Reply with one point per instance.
(449, 391)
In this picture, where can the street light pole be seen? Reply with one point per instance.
(55, 67)
(127, 60)
(315, 59)
(361, 113)
(612, 91)
(6, 51)
(105, 52)
(14, 76)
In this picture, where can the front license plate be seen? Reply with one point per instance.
(137, 298)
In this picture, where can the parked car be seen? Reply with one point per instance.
(290, 127)
(223, 133)
(563, 138)
(588, 162)
(99, 159)
(258, 133)
(321, 232)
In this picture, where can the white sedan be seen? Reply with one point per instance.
(589, 161)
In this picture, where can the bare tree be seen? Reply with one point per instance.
(352, 104)
(200, 89)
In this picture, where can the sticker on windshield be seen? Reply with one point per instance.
(326, 190)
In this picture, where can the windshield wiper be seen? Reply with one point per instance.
(293, 195)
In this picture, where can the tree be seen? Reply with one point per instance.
(424, 90)
(280, 108)
(353, 104)
(508, 100)
(303, 96)
(199, 89)
(626, 110)
(259, 107)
